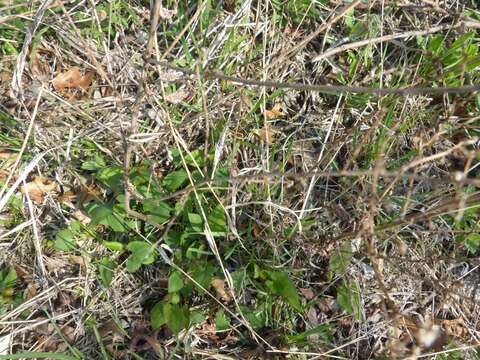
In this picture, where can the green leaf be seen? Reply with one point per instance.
(349, 299)
(174, 298)
(97, 212)
(472, 242)
(104, 214)
(64, 240)
(174, 180)
(113, 245)
(175, 282)
(324, 330)
(97, 163)
(256, 317)
(106, 267)
(340, 259)
(196, 222)
(217, 221)
(196, 317)
(138, 246)
(280, 284)
(132, 264)
(203, 274)
(177, 317)
(156, 315)
(157, 211)
(111, 177)
(222, 321)
(142, 254)
(8, 277)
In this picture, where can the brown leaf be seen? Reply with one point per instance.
(178, 96)
(307, 293)
(38, 188)
(166, 13)
(7, 155)
(67, 197)
(38, 68)
(219, 286)
(79, 260)
(275, 112)
(72, 79)
(5, 76)
(31, 290)
(455, 327)
(267, 134)
(87, 193)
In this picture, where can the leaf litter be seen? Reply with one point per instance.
(38, 188)
(73, 79)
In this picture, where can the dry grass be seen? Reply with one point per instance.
(342, 148)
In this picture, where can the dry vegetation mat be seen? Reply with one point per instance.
(226, 179)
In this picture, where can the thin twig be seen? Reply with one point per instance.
(332, 89)
(380, 39)
(154, 18)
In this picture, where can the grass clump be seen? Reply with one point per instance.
(176, 182)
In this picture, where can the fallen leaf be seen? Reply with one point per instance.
(31, 290)
(307, 293)
(21, 272)
(219, 286)
(88, 193)
(67, 197)
(69, 332)
(5, 76)
(79, 260)
(267, 134)
(38, 68)
(7, 155)
(178, 96)
(38, 188)
(166, 13)
(455, 327)
(72, 79)
(170, 75)
(275, 112)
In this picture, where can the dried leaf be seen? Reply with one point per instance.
(178, 96)
(166, 13)
(31, 290)
(38, 68)
(455, 328)
(72, 79)
(275, 112)
(267, 134)
(219, 286)
(67, 197)
(307, 293)
(7, 155)
(5, 76)
(38, 188)
(79, 260)
(170, 75)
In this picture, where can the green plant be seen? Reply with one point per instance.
(8, 278)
